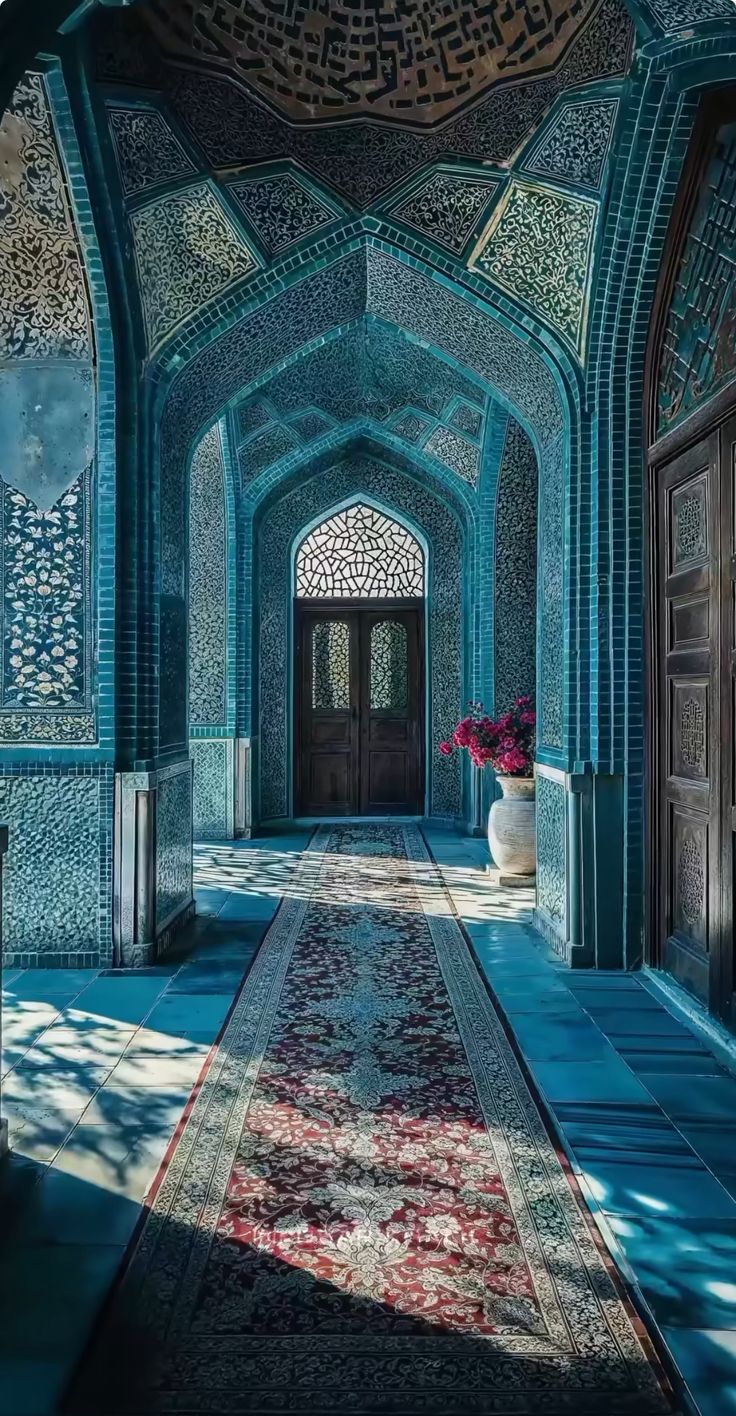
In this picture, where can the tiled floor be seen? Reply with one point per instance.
(99, 1068)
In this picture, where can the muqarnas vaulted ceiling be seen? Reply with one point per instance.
(416, 63)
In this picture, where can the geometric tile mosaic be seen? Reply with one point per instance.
(146, 150)
(574, 146)
(698, 343)
(280, 209)
(187, 250)
(538, 246)
(419, 64)
(447, 208)
(364, 160)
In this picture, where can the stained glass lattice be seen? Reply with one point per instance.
(359, 553)
(331, 665)
(389, 687)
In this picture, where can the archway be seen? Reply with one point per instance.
(359, 584)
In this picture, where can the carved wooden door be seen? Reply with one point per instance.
(359, 709)
(722, 984)
(688, 710)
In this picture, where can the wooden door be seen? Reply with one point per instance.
(390, 713)
(328, 713)
(723, 1000)
(359, 710)
(688, 716)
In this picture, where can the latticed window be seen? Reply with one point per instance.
(359, 553)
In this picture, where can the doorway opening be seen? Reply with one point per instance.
(359, 680)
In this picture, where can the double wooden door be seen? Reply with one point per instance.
(359, 710)
(694, 818)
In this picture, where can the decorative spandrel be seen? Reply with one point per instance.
(330, 665)
(359, 553)
(389, 681)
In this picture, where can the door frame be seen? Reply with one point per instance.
(660, 450)
(342, 605)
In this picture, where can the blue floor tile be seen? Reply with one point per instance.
(240, 906)
(706, 1357)
(665, 1189)
(697, 1098)
(595, 1081)
(686, 1268)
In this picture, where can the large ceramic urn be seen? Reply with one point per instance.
(512, 833)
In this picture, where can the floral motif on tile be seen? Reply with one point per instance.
(410, 427)
(146, 150)
(281, 210)
(550, 692)
(187, 250)
(515, 570)
(54, 861)
(252, 415)
(538, 248)
(304, 501)
(44, 311)
(267, 447)
(173, 843)
(456, 452)
(363, 160)
(311, 426)
(447, 208)
(212, 788)
(551, 849)
(672, 15)
(207, 584)
(466, 420)
(46, 601)
(369, 372)
(575, 144)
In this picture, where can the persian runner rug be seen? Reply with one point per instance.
(362, 1211)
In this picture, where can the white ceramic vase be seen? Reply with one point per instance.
(512, 830)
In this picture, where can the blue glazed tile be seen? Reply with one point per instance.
(706, 1358)
(249, 907)
(64, 1209)
(620, 1022)
(181, 1012)
(609, 1082)
(557, 1037)
(685, 1268)
(123, 1000)
(661, 1188)
(696, 1098)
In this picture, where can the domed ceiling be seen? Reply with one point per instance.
(418, 63)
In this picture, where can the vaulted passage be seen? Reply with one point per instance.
(367, 665)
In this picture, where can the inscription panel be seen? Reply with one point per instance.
(689, 720)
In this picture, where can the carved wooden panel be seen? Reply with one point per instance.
(689, 622)
(689, 721)
(689, 885)
(689, 524)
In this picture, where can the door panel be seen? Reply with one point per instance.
(390, 712)
(328, 714)
(360, 709)
(722, 997)
(688, 506)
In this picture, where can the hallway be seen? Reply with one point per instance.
(346, 1167)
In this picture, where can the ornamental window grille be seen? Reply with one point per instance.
(359, 553)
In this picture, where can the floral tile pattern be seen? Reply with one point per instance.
(363, 1210)
(538, 247)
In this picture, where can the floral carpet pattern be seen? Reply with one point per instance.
(362, 1211)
